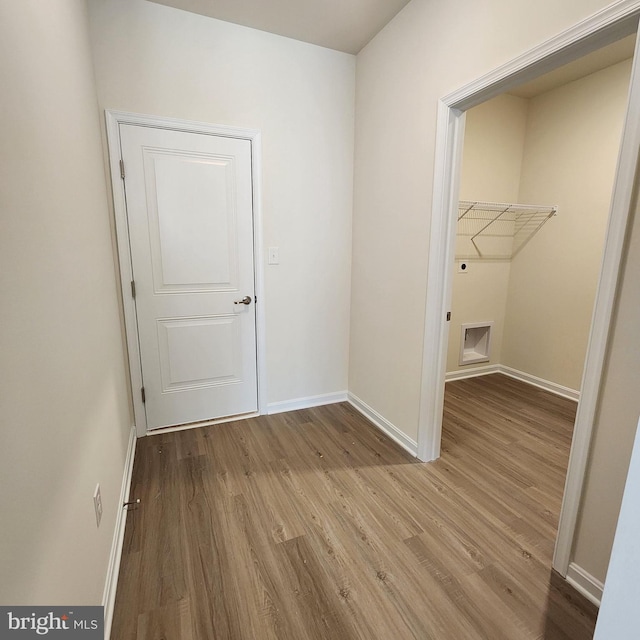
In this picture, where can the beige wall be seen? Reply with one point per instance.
(65, 415)
(568, 158)
(570, 155)
(401, 74)
(416, 59)
(616, 423)
(157, 60)
(491, 163)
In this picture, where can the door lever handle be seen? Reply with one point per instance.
(245, 300)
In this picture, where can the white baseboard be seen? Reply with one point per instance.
(111, 583)
(473, 372)
(384, 425)
(582, 581)
(547, 385)
(306, 403)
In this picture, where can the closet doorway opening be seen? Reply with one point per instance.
(537, 174)
(591, 35)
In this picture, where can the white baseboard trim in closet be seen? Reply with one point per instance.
(547, 385)
(541, 383)
(472, 372)
(591, 588)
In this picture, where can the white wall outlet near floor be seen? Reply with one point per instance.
(97, 504)
(463, 267)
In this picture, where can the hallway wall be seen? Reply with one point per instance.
(427, 51)
(490, 172)
(570, 156)
(63, 391)
(157, 60)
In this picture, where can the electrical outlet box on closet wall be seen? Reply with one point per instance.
(475, 342)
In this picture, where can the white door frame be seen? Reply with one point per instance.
(614, 22)
(113, 121)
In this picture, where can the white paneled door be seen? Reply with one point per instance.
(189, 208)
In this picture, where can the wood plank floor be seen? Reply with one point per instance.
(311, 524)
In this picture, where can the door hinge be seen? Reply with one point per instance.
(122, 168)
(448, 316)
(142, 393)
(133, 289)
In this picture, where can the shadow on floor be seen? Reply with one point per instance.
(569, 615)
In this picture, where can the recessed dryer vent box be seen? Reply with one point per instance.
(475, 342)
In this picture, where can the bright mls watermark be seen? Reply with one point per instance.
(23, 623)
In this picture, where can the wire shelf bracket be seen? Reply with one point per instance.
(497, 230)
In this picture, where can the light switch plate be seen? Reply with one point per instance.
(274, 257)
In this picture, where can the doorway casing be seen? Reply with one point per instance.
(113, 121)
(607, 26)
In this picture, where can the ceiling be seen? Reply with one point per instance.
(348, 25)
(345, 25)
(592, 62)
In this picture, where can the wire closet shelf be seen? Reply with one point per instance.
(497, 230)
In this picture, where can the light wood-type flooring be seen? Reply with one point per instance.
(312, 524)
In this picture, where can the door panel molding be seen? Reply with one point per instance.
(220, 371)
(113, 121)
